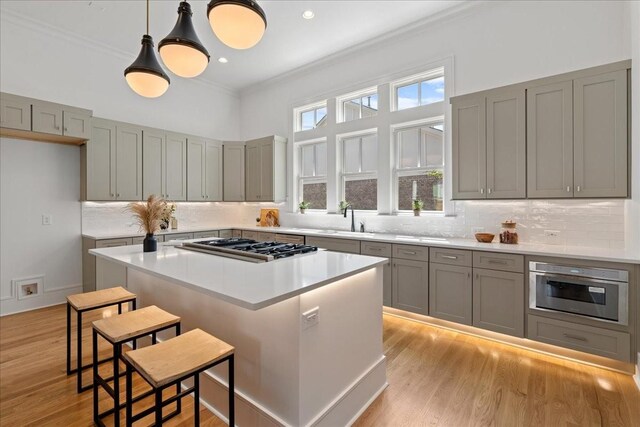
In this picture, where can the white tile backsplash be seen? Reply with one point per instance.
(592, 223)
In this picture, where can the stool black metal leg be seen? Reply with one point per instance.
(119, 308)
(135, 341)
(159, 407)
(196, 399)
(232, 411)
(69, 339)
(129, 396)
(178, 386)
(154, 338)
(117, 349)
(79, 350)
(95, 376)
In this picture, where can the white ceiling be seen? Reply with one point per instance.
(289, 42)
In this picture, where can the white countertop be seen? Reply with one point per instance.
(576, 252)
(246, 284)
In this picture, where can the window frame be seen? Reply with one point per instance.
(411, 171)
(310, 179)
(340, 100)
(356, 176)
(431, 74)
(298, 112)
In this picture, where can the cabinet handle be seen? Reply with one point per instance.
(118, 195)
(576, 337)
(409, 252)
(112, 195)
(468, 275)
(568, 189)
(489, 190)
(449, 256)
(578, 188)
(497, 261)
(375, 249)
(477, 276)
(57, 127)
(66, 130)
(482, 191)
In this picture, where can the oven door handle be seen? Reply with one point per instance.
(585, 280)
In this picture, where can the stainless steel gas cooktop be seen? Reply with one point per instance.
(248, 250)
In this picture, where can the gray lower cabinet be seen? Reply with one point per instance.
(498, 301)
(335, 245)
(206, 234)
(98, 273)
(450, 289)
(410, 281)
(15, 112)
(225, 234)
(204, 173)
(178, 236)
(381, 250)
(234, 172)
(290, 238)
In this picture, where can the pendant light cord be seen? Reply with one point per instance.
(147, 17)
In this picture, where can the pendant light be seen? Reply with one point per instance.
(239, 24)
(181, 51)
(145, 76)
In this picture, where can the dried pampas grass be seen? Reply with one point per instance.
(149, 214)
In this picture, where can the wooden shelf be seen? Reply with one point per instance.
(40, 137)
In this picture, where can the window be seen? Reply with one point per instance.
(359, 107)
(359, 171)
(313, 174)
(311, 118)
(423, 89)
(420, 166)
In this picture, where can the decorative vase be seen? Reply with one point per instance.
(302, 210)
(416, 212)
(150, 244)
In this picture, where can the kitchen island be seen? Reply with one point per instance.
(307, 329)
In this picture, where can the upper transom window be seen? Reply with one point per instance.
(359, 106)
(416, 91)
(311, 117)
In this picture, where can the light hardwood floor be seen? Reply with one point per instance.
(437, 378)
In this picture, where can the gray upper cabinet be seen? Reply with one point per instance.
(410, 285)
(164, 165)
(234, 173)
(469, 148)
(15, 112)
(204, 170)
(450, 289)
(266, 168)
(113, 161)
(506, 145)
(75, 124)
(550, 140)
(600, 135)
(46, 118)
(498, 301)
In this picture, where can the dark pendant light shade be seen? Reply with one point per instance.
(239, 24)
(145, 76)
(181, 51)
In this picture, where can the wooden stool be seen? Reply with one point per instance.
(172, 362)
(119, 330)
(86, 302)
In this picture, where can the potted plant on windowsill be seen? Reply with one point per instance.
(417, 205)
(149, 215)
(304, 206)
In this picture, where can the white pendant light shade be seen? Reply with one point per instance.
(145, 76)
(239, 24)
(181, 51)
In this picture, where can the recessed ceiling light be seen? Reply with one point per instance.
(308, 14)
(223, 60)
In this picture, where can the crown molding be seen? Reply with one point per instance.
(392, 36)
(49, 30)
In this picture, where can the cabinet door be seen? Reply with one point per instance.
(469, 149)
(47, 118)
(175, 162)
(152, 161)
(253, 173)
(498, 301)
(550, 141)
(450, 289)
(600, 135)
(101, 161)
(76, 125)
(233, 173)
(506, 156)
(128, 163)
(15, 112)
(195, 169)
(213, 172)
(410, 286)
(266, 172)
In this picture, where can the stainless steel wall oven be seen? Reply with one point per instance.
(598, 293)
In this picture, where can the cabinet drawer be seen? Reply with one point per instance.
(236, 233)
(206, 234)
(225, 234)
(110, 243)
(178, 236)
(450, 256)
(249, 234)
(336, 245)
(290, 238)
(416, 253)
(266, 237)
(603, 342)
(138, 240)
(376, 249)
(497, 261)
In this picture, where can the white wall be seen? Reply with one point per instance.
(38, 178)
(43, 63)
(493, 44)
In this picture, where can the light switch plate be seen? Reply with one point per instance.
(310, 318)
(47, 219)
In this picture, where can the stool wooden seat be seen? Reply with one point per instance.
(118, 330)
(86, 302)
(174, 361)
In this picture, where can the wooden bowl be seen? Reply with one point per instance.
(485, 237)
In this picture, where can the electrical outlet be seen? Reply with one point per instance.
(310, 318)
(28, 287)
(47, 219)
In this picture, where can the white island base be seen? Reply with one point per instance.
(323, 375)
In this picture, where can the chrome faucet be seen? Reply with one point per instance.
(353, 221)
